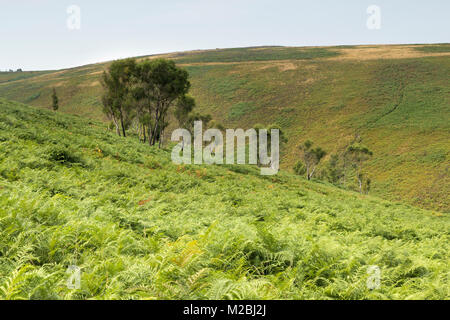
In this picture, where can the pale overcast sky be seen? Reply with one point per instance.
(34, 34)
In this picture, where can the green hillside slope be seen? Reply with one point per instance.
(397, 98)
(140, 227)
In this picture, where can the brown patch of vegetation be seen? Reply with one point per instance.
(383, 52)
(143, 202)
(200, 173)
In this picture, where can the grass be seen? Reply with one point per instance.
(400, 107)
(240, 109)
(254, 54)
(15, 76)
(438, 48)
(140, 227)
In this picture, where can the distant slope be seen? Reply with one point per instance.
(140, 227)
(397, 98)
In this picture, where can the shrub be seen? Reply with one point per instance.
(63, 155)
(299, 168)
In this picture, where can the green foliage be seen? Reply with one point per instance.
(62, 155)
(140, 227)
(282, 134)
(153, 89)
(300, 168)
(240, 109)
(255, 54)
(55, 101)
(359, 151)
(184, 106)
(358, 154)
(195, 116)
(33, 97)
(116, 83)
(400, 106)
(438, 48)
(334, 170)
(311, 157)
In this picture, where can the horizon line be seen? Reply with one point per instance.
(224, 48)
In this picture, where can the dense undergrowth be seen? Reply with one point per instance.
(140, 227)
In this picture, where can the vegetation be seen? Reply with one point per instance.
(254, 54)
(116, 83)
(145, 92)
(55, 101)
(140, 227)
(438, 48)
(398, 105)
(311, 158)
(358, 154)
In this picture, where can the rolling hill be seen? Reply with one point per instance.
(396, 98)
(141, 227)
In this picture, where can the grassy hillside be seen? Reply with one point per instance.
(397, 98)
(140, 227)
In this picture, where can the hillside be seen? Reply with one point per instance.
(397, 98)
(140, 227)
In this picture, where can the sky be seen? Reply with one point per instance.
(46, 34)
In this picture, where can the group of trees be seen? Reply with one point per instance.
(310, 159)
(349, 161)
(11, 70)
(355, 156)
(141, 94)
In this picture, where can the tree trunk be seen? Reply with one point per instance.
(161, 135)
(312, 173)
(360, 185)
(150, 136)
(138, 129)
(158, 117)
(155, 132)
(123, 127)
(143, 130)
(117, 125)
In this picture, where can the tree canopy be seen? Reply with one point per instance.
(144, 92)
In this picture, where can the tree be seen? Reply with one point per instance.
(283, 138)
(213, 124)
(142, 105)
(358, 154)
(110, 111)
(116, 99)
(334, 171)
(311, 157)
(368, 185)
(299, 168)
(142, 94)
(55, 100)
(159, 84)
(195, 116)
(184, 107)
(281, 135)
